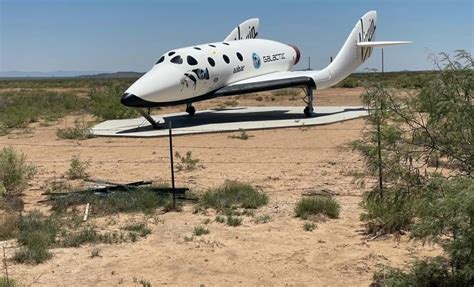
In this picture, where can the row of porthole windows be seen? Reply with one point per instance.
(193, 62)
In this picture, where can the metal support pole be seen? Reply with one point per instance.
(172, 163)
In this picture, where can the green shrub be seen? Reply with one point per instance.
(309, 226)
(263, 219)
(138, 228)
(20, 108)
(433, 272)
(200, 230)
(36, 234)
(14, 172)
(317, 205)
(106, 103)
(243, 135)
(76, 239)
(77, 169)
(234, 194)
(187, 162)
(140, 200)
(220, 219)
(80, 131)
(388, 214)
(9, 224)
(7, 282)
(234, 220)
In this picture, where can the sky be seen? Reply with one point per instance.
(130, 35)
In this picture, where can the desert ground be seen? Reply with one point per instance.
(284, 163)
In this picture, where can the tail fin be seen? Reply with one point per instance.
(246, 30)
(355, 51)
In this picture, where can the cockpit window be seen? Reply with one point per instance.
(160, 59)
(197, 48)
(191, 61)
(177, 60)
(225, 43)
(171, 53)
(213, 46)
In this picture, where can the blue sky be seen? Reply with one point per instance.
(124, 35)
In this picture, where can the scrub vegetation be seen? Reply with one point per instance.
(419, 148)
(234, 194)
(80, 131)
(15, 172)
(317, 205)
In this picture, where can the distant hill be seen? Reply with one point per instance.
(116, 75)
(53, 74)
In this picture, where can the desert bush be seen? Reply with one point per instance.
(200, 230)
(105, 103)
(187, 162)
(265, 218)
(36, 234)
(234, 194)
(233, 220)
(87, 234)
(317, 205)
(433, 202)
(220, 219)
(243, 135)
(9, 225)
(309, 226)
(14, 172)
(140, 200)
(138, 228)
(7, 282)
(20, 108)
(349, 83)
(80, 131)
(77, 169)
(95, 252)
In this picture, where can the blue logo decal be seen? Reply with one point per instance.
(256, 60)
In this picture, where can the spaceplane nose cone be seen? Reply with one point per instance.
(130, 100)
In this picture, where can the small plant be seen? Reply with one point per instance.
(200, 230)
(138, 228)
(140, 200)
(36, 234)
(234, 194)
(309, 226)
(77, 169)
(242, 135)
(9, 223)
(76, 239)
(187, 163)
(220, 219)
(234, 220)
(145, 283)
(95, 252)
(207, 221)
(15, 172)
(188, 238)
(7, 282)
(80, 131)
(259, 99)
(263, 219)
(317, 205)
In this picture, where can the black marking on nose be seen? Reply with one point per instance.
(130, 100)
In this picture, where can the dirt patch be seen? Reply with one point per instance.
(284, 163)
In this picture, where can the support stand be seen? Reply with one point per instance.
(146, 115)
(308, 99)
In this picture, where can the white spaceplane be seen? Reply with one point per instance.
(243, 64)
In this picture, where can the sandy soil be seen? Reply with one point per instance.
(284, 163)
